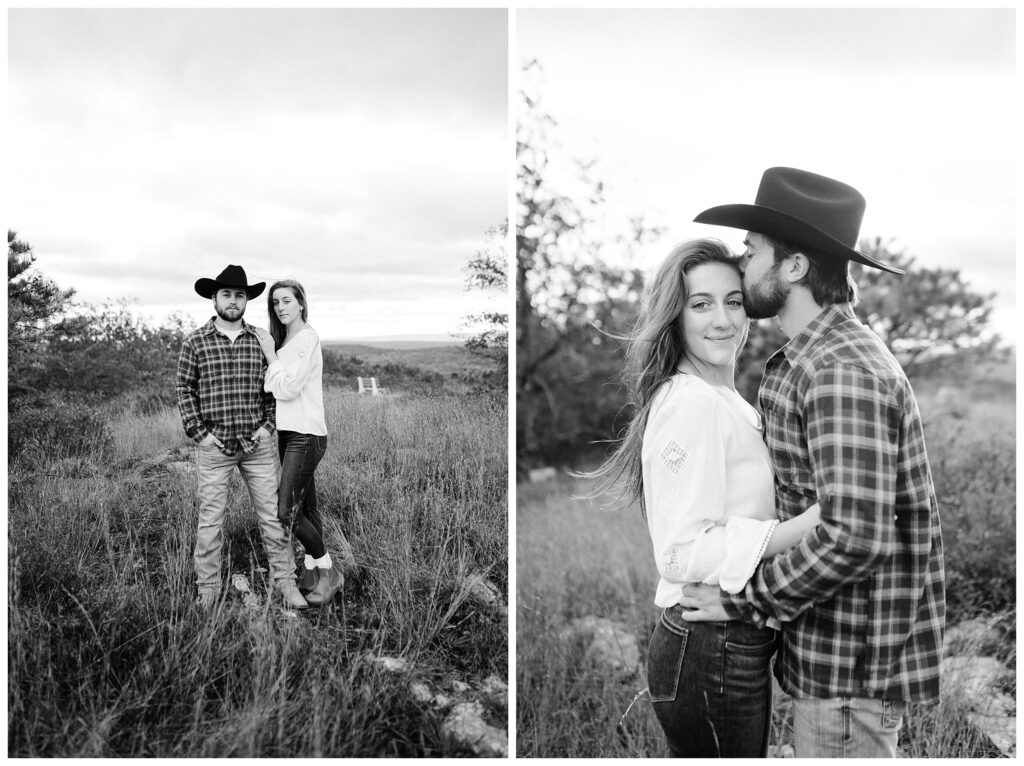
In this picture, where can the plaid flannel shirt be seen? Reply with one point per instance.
(861, 597)
(220, 387)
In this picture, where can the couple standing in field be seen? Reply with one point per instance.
(236, 386)
(809, 528)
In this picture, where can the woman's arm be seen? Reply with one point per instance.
(685, 482)
(788, 533)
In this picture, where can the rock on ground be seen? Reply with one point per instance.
(390, 664)
(465, 725)
(978, 680)
(979, 636)
(610, 646)
(481, 591)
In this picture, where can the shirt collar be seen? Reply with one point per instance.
(211, 327)
(801, 343)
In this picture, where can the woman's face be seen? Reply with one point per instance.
(286, 305)
(713, 319)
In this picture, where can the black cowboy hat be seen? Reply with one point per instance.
(233, 277)
(803, 208)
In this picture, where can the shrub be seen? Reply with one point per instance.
(55, 426)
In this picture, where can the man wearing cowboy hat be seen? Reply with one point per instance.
(861, 598)
(227, 413)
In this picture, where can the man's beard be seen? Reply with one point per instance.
(222, 313)
(766, 298)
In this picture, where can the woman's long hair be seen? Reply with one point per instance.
(277, 328)
(653, 355)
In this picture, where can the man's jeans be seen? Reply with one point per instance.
(846, 727)
(711, 686)
(259, 470)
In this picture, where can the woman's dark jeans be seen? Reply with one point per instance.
(296, 495)
(711, 686)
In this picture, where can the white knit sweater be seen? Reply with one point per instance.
(296, 380)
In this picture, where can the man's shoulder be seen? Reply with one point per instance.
(853, 344)
(200, 332)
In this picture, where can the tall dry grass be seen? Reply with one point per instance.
(108, 656)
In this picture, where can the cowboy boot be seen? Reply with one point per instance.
(329, 582)
(290, 594)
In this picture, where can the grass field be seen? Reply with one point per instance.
(575, 560)
(108, 656)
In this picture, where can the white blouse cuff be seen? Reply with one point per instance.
(745, 541)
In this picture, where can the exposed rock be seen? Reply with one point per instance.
(538, 475)
(389, 664)
(610, 646)
(978, 680)
(460, 687)
(420, 692)
(781, 751)
(495, 691)
(482, 591)
(240, 584)
(465, 724)
(1001, 730)
(973, 637)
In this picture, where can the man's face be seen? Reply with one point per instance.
(764, 291)
(230, 303)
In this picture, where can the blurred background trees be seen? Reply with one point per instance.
(64, 360)
(56, 345)
(574, 291)
(577, 297)
(486, 333)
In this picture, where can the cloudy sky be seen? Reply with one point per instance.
(362, 152)
(685, 108)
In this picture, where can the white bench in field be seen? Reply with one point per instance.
(369, 386)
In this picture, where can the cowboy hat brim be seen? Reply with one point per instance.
(207, 287)
(780, 225)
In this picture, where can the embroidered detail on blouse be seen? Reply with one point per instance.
(670, 561)
(673, 456)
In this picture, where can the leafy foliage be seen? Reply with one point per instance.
(928, 317)
(486, 333)
(571, 300)
(574, 306)
(59, 348)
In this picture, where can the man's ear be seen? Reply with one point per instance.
(796, 268)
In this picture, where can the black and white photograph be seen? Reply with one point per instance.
(257, 368)
(765, 367)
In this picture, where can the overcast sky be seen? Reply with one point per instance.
(685, 108)
(362, 152)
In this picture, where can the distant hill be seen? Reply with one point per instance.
(447, 359)
(397, 342)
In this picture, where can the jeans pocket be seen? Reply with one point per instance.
(665, 659)
(759, 649)
(892, 714)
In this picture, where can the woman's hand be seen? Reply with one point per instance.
(266, 344)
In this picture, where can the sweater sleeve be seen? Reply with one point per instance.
(286, 381)
(685, 456)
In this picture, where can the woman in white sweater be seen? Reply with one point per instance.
(693, 455)
(295, 377)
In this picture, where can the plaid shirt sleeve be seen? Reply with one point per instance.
(269, 421)
(852, 425)
(187, 390)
